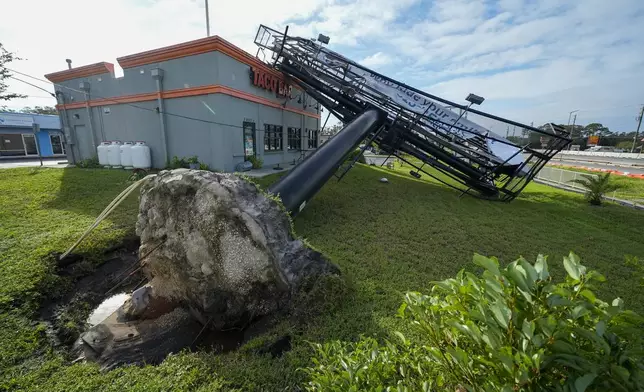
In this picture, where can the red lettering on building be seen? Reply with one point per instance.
(269, 82)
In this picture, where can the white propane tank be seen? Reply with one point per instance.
(114, 154)
(141, 156)
(126, 155)
(102, 154)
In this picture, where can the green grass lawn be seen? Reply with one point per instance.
(387, 239)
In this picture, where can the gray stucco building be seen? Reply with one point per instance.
(205, 97)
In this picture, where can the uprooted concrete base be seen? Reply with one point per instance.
(218, 254)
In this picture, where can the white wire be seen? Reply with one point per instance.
(107, 211)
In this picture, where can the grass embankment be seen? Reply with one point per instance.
(387, 239)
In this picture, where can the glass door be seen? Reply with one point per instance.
(250, 145)
(57, 146)
(29, 140)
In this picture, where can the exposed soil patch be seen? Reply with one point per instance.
(66, 315)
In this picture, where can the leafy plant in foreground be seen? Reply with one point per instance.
(509, 329)
(596, 186)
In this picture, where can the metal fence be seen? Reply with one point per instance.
(564, 178)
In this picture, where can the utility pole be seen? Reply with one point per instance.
(207, 20)
(637, 133)
(35, 129)
(574, 119)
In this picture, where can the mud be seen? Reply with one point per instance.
(66, 316)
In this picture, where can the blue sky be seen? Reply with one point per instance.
(534, 61)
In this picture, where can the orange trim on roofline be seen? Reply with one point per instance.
(191, 48)
(81, 72)
(187, 92)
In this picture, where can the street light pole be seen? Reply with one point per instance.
(207, 20)
(569, 116)
(639, 123)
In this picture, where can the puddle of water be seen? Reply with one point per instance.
(106, 308)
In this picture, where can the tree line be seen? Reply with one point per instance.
(32, 110)
(580, 135)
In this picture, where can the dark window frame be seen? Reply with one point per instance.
(273, 137)
(60, 143)
(294, 138)
(313, 135)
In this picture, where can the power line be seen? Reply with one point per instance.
(33, 85)
(125, 103)
(38, 96)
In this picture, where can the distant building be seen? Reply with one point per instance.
(328, 133)
(17, 138)
(324, 137)
(205, 97)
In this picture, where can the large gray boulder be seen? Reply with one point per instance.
(217, 245)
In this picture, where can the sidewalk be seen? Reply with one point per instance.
(263, 172)
(13, 163)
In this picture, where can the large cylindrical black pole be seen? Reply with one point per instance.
(306, 179)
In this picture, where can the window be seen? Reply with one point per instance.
(11, 145)
(313, 138)
(30, 144)
(294, 138)
(57, 146)
(273, 137)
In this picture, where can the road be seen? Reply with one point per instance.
(622, 165)
(599, 165)
(602, 160)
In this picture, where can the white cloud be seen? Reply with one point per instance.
(376, 60)
(531, 59)
(496, 60)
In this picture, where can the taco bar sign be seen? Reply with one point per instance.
(265, 80)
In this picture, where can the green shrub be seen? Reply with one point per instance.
(508, 329)
(255, 161)
(178, 163)
(184, 163)
(352, 155)
(596, 186)
(89, 163)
